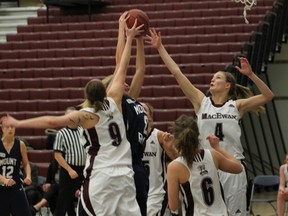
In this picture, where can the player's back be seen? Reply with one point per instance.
(202, 193)
(107, 141)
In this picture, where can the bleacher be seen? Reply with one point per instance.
(44, 67)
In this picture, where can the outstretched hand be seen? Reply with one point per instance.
(154, 38)
(245, 67)
(8, 121)
(134, 30)
(122, 20)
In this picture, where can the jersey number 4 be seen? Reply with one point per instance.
(219, 131)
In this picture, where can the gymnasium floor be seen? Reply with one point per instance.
(259, 209)
(264, 209)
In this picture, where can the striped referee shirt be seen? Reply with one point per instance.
(67, 141)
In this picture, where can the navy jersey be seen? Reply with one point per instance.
(136, 123)
(10, 163)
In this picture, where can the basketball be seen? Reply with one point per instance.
(142, 18)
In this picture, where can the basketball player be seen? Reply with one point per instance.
(134, 115)
(108, 187)
(158, 147)
(283, 187)
(195, 171)
(219, 114)
(13, 154)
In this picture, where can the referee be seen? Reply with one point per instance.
(71, 157)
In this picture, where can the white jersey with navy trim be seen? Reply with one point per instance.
(154, 161)
(201, 194)
(108, 187)
(223, 122)
(107, 139)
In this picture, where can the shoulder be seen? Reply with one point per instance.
(177, 165)
(23, 148)
(282, 168)
(22, 144)
(205, 102)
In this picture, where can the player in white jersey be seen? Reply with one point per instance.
(109, 187)
(158, 147)
(283, 187)
(229, 102)
(195, 171)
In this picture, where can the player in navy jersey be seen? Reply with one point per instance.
(136, 121)
(12, 194)
(194, 172)
(108, 187)
(219, 113)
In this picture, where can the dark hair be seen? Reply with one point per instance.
(95, 93)
(186, 132)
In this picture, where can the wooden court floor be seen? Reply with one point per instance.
(264, 209)
(259, 209)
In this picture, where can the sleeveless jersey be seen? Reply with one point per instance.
(10, 164)
(153, 158)
(136, 123)
(201, 194)
(106, 142)
(223, 122)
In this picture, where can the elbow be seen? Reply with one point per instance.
(270, 97)
(238, 169)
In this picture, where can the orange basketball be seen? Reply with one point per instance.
(142, 18)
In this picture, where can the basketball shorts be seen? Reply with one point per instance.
(110, 192)
(234, 187)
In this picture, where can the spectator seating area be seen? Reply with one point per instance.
(44, 67)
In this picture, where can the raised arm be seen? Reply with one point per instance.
(116, 88)
(137, 81)
(265, 96)
(166, 140)
(138, 78)
(192, 93)
(222, 159)
(121, 38)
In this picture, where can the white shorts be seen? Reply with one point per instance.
(235, 187)
(111, 192)
(154, 204)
